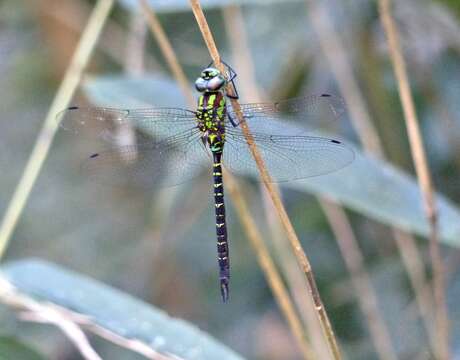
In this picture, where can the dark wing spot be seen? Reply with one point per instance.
(94, 155)
(325, 95)
(73, 108)
(336, 141)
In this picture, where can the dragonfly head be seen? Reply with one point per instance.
(210, 80)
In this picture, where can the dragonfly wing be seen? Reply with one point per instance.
(315, 109)
(167, 162)
(287, 157)
(159, 121)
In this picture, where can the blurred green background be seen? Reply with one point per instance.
(159, 245)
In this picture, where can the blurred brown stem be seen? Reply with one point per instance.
(423, 175)
(267, 265)
(336, 55)
(61, 100)
(134, 63)
(71, 323)
(242, 60)
(166, 49)
(354, 261)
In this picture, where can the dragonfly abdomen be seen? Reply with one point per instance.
(221, 226)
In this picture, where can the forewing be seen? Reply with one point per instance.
(155, 121)
(313, 109)
(287, 157)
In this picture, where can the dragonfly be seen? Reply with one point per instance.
(178, 143)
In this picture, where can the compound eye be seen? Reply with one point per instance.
(216, 83)
(209, 73)
(200, 84)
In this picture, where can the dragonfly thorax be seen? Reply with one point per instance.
(210, 116)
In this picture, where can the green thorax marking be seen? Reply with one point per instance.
(211, 114)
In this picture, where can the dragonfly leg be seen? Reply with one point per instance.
(232, 121)
(235, 96)
(232, 75)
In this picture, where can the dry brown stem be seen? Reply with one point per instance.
(71, 323)
(266, 263)
(353, 257)
(112, 38)
(289, 229)
(336, 55)
(242, 60)
(423, 175)
(50, 126)
(166, 49)
(249, 225)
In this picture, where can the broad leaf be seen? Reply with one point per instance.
(10, 349)
(114, 310)
(184, 5)
(370, 186)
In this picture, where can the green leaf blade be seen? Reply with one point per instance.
(114, 310)
(370, 186)
(11, 348)
(184, 5)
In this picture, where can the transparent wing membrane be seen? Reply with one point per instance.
(313, 109)
(171, 151)
(159, 121)
(287, 157)
(164, 163)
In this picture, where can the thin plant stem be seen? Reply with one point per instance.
(423, 175)
(241, 53)
(348, 86)
(304, 303)
(34, 311)
(288, 227)
(354, 260)
(71, 323)
(266, 263)
(111, 39)
(135, 54)
(45, 138)
(411, 257)
(166, 49)
(242, 60)
(134, 59)
(268, 266)
(335, 53)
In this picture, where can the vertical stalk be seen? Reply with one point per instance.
(167, 50)
(265, 261)
(242, 60)
(335, 53)
(360, 279)
(281, 211)
(45, 138)
(268, 266)
(423, 175)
